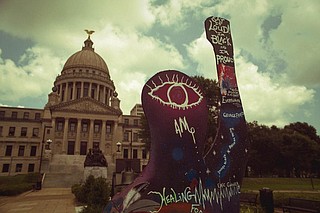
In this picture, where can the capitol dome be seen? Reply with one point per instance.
(85, 75)
(87, 58)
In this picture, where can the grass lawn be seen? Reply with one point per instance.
(13, 185)
(284, 184)
(283, 188)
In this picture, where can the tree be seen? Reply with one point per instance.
(212, 95)
(94, 192)
(304, 129)
(300, 151)
(264, 153)
(283, 151)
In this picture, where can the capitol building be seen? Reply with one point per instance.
(82, 112)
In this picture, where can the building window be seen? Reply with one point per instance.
(35, 132)
(108, 128)
(14, 115)
(26, 115)
(70, 147)
(8, 150)
(134, 153)
(93, 92)
(33, 151)
(126, 136)
(62, 95)
(31, 167)
(126, 121)
(5, 167)
(71, 93)
(21, 151)
(83, 148)
(1, 129)
(78, 92)
(136, 122)
(125, 153)
(72, 127)
(37, 116)
(2, 114)
(144, 154)
(18, 167)
(135, 137)
(23, 131)
(96, 128)
(59, 126)
(11, 131)
(85, 90)
(84, 127)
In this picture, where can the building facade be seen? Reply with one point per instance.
(83, 112)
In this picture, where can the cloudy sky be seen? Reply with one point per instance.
(277, 44)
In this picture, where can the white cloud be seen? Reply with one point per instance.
(132, 58)
(124, 39)
(297, 40)
(59, 24)
(33, 78)
(202, 53)
(265, 99)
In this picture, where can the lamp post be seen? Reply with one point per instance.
(39, 183)
(118, 145)
(49, 141)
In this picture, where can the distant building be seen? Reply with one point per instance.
(137, 110)
(82, 112)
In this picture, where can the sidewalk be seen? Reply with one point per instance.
(48, 200)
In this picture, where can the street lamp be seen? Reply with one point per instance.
(49, 141)
(39, 183)
(118, 145)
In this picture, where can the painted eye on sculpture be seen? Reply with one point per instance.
(177, 95)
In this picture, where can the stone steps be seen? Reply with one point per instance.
(66, 170)
(61, 180)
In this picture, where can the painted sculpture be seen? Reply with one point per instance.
(180, 177)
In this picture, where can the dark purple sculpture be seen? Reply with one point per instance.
(179, 177)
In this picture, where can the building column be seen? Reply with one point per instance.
(91, 133)
(98, 93)
(104, 95)
(53, 134)
(78, 138)
(90, 88)
(65, 135)
(103, 136)
(108, 97)
(60, 93)
(66, 92)
(81, 93)
(74, 91)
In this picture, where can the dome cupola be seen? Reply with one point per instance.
(85, 74)
(87, 59)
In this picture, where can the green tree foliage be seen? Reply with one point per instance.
(94, 192)
(211, 93)
(289, 151)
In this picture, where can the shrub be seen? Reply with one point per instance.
(94, 192)
(10, 190)
(14, 185)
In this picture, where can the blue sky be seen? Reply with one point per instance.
(276, 49)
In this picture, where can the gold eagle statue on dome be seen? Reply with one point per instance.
(89, 32)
